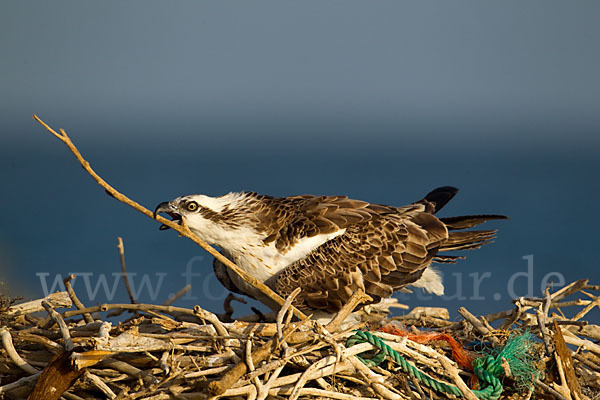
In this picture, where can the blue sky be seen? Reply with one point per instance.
(443, 71)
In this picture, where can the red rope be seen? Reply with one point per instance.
(459, 354)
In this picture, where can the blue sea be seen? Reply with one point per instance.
(57, 221)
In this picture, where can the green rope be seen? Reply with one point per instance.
(488, 369)
(522, 360)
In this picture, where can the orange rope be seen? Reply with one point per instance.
(459, 354)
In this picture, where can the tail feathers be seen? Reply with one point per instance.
(469, 221)
(438, 198)
(444, 259)
(467, 240)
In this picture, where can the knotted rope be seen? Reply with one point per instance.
(488, 369)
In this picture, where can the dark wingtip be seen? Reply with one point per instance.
(441, 196)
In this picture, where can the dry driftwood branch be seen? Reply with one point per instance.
(173, 310)
(375, 380)
(587, 362)
(564, 359)
(182, 229)
(177, 295)
(583, 343)
(51, 346)
(55, 379)
(61, 325)
(467, 393)
(55, 300)
(510, 319)
(542, 318)
(128, 369)
(327, 366)
(587, 309)
(477, 324)
(212, 318)
(12, 353)
(318, 393)
(357, 298)
(266, 388)
(121, 248)
(280, 315)
(67, 281)
(560, 294)
(21, 382)
(97, 382)
(550, 390)
(219, 387)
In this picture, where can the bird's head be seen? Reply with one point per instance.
(216, 220)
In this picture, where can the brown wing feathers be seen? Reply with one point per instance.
(378, 256)
(289, 219)
(383, 249)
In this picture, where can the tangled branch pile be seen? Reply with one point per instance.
(164, 352)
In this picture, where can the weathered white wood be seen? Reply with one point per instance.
(56, 300)
(436, 312)
(12, 353)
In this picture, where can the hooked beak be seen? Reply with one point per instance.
(166, 207)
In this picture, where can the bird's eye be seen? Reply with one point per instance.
(191, 206)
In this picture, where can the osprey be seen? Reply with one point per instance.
(330, 246)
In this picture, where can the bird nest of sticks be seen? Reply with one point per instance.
(56, 348)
